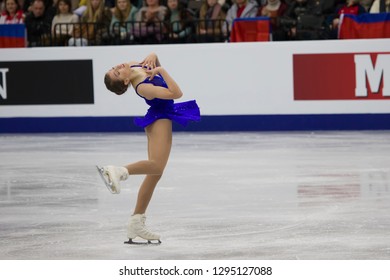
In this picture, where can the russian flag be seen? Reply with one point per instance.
(12, 36)
(364, 26)
(251, 29)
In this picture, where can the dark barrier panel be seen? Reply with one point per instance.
(208, 123)
(46, 82)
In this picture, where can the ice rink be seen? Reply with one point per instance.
(284, 196)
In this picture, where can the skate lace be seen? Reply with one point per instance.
(144, 231)
(123, 175)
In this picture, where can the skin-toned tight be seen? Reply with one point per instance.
(159, 136)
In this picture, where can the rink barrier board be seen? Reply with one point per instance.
(233, 95)
(208, 123)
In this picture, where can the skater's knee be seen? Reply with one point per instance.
(158, 168)
(156, 178)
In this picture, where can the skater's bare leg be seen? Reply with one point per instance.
(145, 193)
(159, 136)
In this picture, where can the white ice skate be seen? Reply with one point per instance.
(112, 175)
(137, 228)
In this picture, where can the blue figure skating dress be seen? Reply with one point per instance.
(182, 113)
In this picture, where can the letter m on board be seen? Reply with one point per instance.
(375, 74)
(3, 83)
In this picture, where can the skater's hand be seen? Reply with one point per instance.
(150, 62)
(153, 72)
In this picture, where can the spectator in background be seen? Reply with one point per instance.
(27, 5)
(366, 4)
(51, 10)
(297, 8)
(293, 17)
(152, 12)
(151, 17)
(274, 9)
(110, 4)
(12, 13)
(124, 12)
(80, 8)
(75, 4)
(94, 30)
(137, 3)
(351, 7)
(306, 20)
(212, 17)
(323, 7)
(380, 6)
(241, 9)
(179, 21)
(64, 17)
(38, 25)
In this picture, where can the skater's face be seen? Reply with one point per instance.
(117, 79)
(120, 72)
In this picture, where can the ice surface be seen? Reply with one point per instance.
(323, 195)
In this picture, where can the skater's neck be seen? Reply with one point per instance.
(137, 76)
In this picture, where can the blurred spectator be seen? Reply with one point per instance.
(380, 6)
(351, 7)
(241, 9)
(12, 13)
(274, 9)
(150, 28)
(296, 10)
(110, 4)
(80, 8)
(212, 20)
(96, 20)
(51, 10)
(137, 3)
(124, 12)
(27, 5)
(305, 20)
(62, 32)
(38, 25)
(366, 4)
(152, 12)
(194, 6)
(179, 21)
(323, 7)
(75, 4)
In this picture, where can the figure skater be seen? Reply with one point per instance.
(152, 83)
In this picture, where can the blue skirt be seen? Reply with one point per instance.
(182, 113)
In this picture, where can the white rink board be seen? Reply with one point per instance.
(225, 79)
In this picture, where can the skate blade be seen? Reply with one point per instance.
(143, 243)
(108, 184)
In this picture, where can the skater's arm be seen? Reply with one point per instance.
(151, 61)
(150, 91)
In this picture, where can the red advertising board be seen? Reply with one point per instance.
(349, 76)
